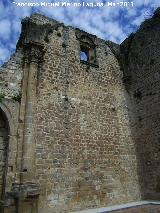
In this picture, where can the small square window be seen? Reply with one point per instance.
(83, 56)
(87, 53)
(84, 53)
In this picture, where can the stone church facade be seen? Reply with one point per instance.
(79, 119)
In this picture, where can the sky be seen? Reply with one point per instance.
(109, 21)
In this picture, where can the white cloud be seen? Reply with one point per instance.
(20, 12)
(113, 28)
(2, 11)
(4, 53)
(16, 25)
(138, 20)
(131, 12)
(57, 13)
(5, 29)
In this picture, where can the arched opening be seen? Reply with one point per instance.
(4, 149)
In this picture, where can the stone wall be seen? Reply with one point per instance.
(84, 131)
(141, 52)
(85, 156)
(10, 96)
(11, 76)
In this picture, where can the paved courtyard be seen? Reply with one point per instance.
(141, 209)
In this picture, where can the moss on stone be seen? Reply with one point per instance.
(17, 97)
(2, 96)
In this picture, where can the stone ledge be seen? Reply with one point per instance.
(89, 64)
(119, 207)
(24, 190)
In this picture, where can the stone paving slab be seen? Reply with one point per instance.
(141, 209)
(148, 206)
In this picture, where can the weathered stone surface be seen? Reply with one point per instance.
(84, 131)
(142, 59)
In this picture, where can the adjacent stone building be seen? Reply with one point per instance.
(79, 119)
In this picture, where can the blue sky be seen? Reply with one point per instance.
(113, 23)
